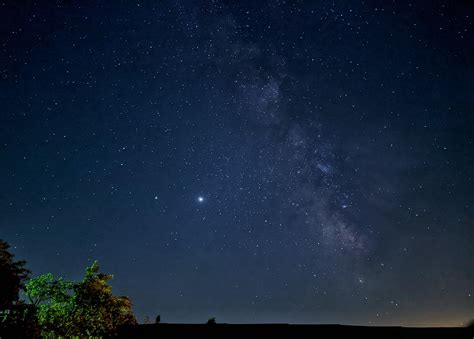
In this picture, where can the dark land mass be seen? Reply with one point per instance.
(164, 330)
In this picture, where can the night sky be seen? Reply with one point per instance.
(253, 161)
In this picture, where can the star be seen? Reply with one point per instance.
(200, 199)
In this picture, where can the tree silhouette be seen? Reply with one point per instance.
(17, 319)
(211, 321)
(12, 276)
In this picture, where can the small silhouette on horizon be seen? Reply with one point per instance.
(158, 319)
(211, 321)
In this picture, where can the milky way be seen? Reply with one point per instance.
(260, 161)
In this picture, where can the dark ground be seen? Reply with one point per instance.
(289, 331)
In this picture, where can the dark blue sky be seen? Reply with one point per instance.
(255, 161)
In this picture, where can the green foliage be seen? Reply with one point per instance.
(57, 306)
(87, 308)
(98, 309)
(53, 300)
(12, 275)
(46, 287)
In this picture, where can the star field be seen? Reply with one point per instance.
(253, 161)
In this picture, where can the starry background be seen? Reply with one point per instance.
(255, 161)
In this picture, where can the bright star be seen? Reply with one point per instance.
(200, 199)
